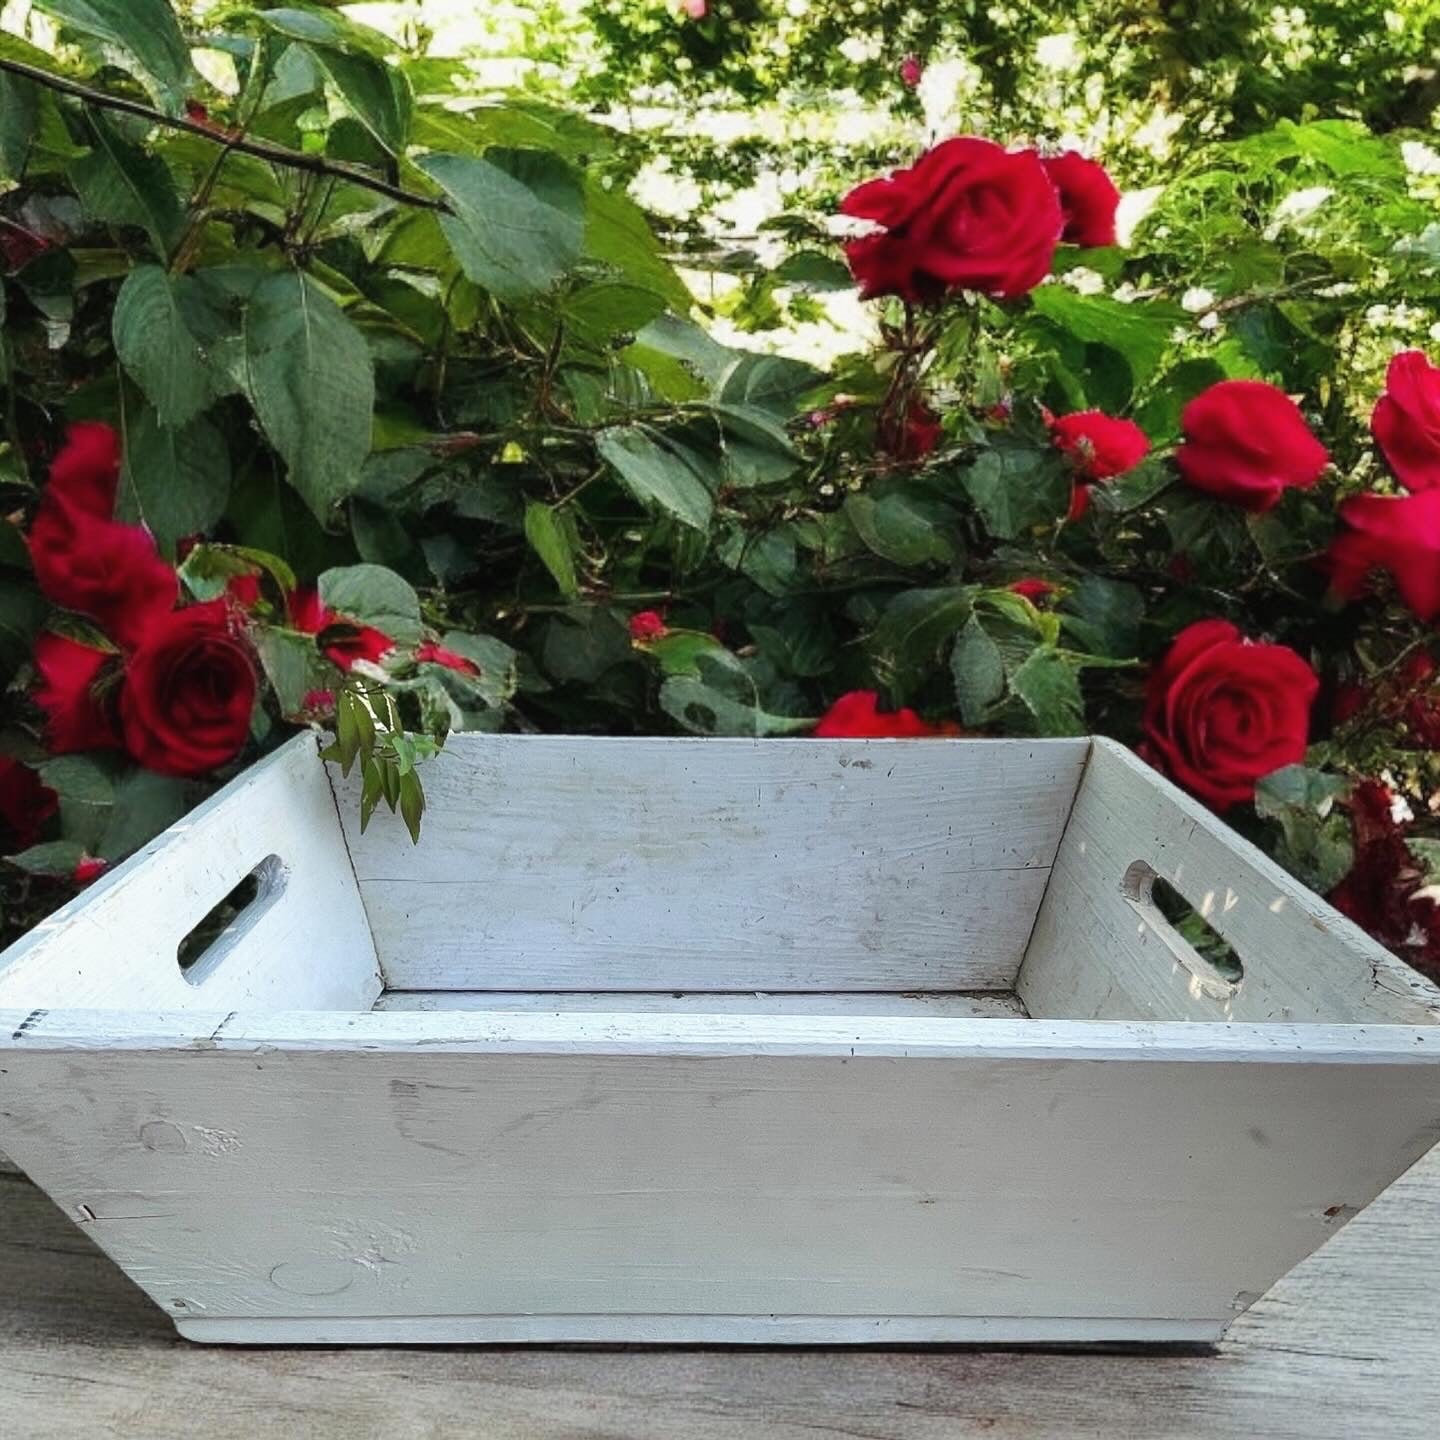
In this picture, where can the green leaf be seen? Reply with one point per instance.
(906, 529)
(292, 665)
(679, 651)
(601, 312)
(1299, 787)
(655, 473)
(499, 665)
(22, 612)
(770, 383)
(373, 595)
(155, 344)
(1316, 842)
(139, 36)
(19, 121)
(55, 858)
(723, 700)
(519, 217)
(754, 449)
(1140, 331)
(908, 638)
(121, 184)
(378, 94)
(176, 481)
(1104, 616)
(618, 234)
(1048, 685)
(554, 540)
(308, 373)
(979, 671)
(412, 804)
(86, 792)
(1018, 488)
(145, 804)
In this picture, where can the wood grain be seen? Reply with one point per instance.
(1101, 952)
(116, 944)
(971, 1005)
(1345, 1345)
(550, 863)
(834, 1170)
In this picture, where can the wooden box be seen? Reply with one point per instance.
(711, 1041)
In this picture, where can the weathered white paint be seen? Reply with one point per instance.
(272, 1159)
(799, 1180)
(632, 864)
(974, 1005)
(1101, 952)
(116, 944)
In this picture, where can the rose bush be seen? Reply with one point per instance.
(301, 428)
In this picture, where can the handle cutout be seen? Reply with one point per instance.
(1182, 928)
(227, 923)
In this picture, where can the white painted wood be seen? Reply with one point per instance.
(307, 945)
(549, 862)
(1101, 951)
(973, 1005)
(1344, 1346)
(482, 1166)
(701, 1330)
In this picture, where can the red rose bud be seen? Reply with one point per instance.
(77, 709)
(857, 716)
(1406, 421)
(1399, 534)
(1222, 712)
(188, 693)
(647, 626)
(1033, 590)
(1080, 500)
(320, 702)
(1088, 198)
(429, 653)
(911, 71)
(967, 215)
(243, 591)
(1347, 702)
(1246, 443)
(26, 804)
(695, 9)
(88, 868)
(1099, 446)
(917, 436)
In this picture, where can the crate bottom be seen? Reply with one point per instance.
(940, 1004)
(700, 1330)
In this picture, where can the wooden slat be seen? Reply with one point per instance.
(926, 1170)
(626, 864)
(116, 944)
(1343, 1346)
(974, 1005)
(1098, 954)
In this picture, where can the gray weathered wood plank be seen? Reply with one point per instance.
(1345, 1345)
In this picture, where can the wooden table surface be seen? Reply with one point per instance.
(1347, 1346)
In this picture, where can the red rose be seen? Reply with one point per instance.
(1222, 712)
(1080, 499)
(26, 803)
(1396, 533)
(917, 435)
(1088, 198)
(1246, 442)
(108, 571)
(1422, 705)
(89, 868)
(1033, 590)
(968, 214)
(429, 653)
(77, 712)
(648, 625)
(1406, 421)
(243, 591)
(86, 472)
(1099, 446)
(911, 71)
(188, 693)
(345, 641)
(857, 716)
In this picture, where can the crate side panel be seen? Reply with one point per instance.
(601, 864)
(1096, 956)
(263, 1183)
(116, 945)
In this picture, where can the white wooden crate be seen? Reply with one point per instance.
(671, 1040)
